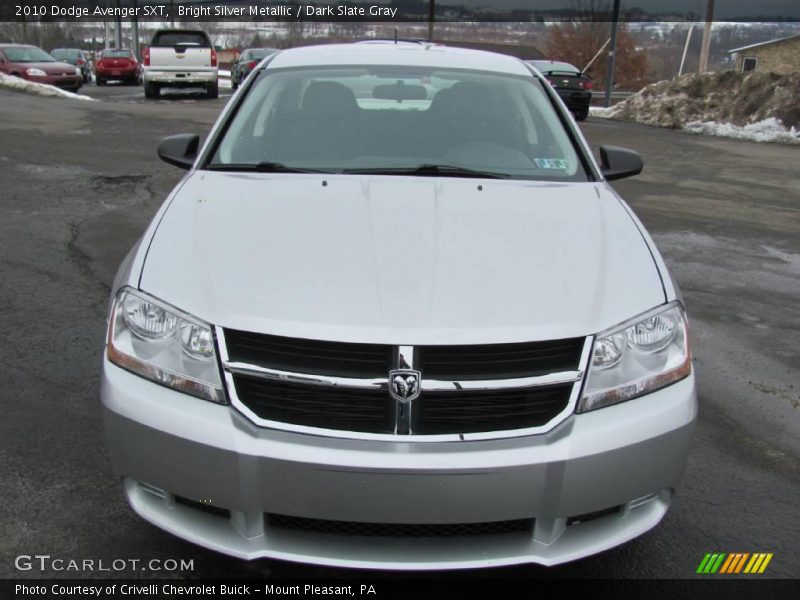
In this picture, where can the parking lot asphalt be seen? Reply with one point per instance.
(80, 180)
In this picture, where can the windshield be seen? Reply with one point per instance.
(27, 54)
(553, 66)
(116, 54)
(390, 119)
(68, 54)
(180, 38)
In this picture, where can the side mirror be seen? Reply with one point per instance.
(618, 163)
(179, 150)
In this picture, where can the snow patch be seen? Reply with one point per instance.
(18, 84)
(767, 130)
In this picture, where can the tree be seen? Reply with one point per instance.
(578, 41)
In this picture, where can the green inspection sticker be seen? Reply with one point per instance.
(551, 163)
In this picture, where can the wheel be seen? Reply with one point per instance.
(581, 115)
(234, 84)
(212, 90)
(99, 81)
(151, 90)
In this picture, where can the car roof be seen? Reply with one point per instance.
(18, 46)
(407, 54)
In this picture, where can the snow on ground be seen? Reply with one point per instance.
(768, 130)
(18, 84)
(757, 106)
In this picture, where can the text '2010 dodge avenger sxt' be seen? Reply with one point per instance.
(395, 317)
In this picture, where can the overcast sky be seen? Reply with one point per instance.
(722, 8)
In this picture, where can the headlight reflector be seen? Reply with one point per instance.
(158, 342)
(36, 72)
(146, 319)
(638, 357)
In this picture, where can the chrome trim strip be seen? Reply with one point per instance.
(433, 385)
(577, 385)
(305, 378)
(403, 359)
(428, 385)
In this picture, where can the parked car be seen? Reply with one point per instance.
(77, 58)
(180, 58)
(118, 64)
(573, 86)
(422, 335)
(34, 64)
(246, 62)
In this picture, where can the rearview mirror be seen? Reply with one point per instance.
(618, 163)
(179, 150)
(399, 91)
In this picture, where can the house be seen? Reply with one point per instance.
(780, 56)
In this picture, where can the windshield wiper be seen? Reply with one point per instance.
(431, 170)
(262, 167)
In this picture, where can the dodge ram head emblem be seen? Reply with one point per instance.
(404, 384)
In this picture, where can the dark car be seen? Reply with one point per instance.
(34, 64)
(118, 64)
(76, 57)
(246, 62)
(570, 82)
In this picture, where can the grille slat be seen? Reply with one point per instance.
(399, 530)
(472, 412)
(499, 361)
(316, 406)
(308, 356)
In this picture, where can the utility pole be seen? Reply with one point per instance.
(118, 28)
(135, 25)
(431, 17)
(704, 50)
(612, 53)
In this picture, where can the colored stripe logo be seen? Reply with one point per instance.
(734, 563)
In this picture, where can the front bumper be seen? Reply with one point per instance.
(72, 82)
(166, 446)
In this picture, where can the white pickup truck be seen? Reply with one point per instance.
(180, 58)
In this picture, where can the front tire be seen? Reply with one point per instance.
(151, 90)
(212, 91)
(99, 81)
(581, 115)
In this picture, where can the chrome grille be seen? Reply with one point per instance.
(454, 392)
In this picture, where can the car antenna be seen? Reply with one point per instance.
(395, 36)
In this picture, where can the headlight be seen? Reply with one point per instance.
(152, 339)
(77, 70)
(638, 357)
(36, 73)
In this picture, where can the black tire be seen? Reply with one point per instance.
(99, 81)
(212, 91)
(581, 115)
(151, 90)
(234, 84)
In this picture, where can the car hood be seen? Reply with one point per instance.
(404, 260)
(51, 68)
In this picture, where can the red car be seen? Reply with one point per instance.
(34, 64)
(120, 64)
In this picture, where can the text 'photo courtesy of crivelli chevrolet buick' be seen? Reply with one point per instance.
(395, 317)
